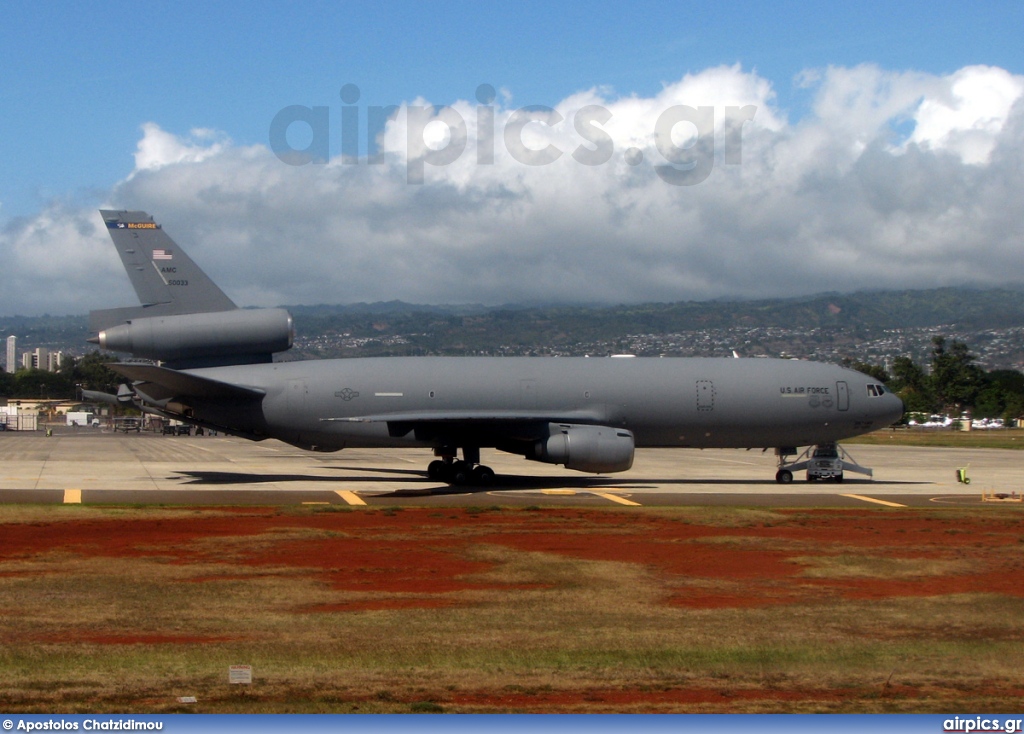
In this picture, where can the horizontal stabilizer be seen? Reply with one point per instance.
(96, 396)
(160, 383)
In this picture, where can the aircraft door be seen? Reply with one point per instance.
(842, 396)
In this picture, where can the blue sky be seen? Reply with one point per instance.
(79, 81)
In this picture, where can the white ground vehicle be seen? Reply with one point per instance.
(80, 418)
(825, 464)
(827, 461)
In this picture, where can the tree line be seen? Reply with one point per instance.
(89, 373)
(952, 384)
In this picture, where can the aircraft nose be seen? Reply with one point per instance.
(896, 409)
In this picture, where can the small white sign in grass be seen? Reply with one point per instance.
(241, 674)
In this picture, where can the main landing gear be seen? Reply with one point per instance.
(467, 472)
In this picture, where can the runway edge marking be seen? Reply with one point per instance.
(350, 497)
(871, 499)
(72, 496)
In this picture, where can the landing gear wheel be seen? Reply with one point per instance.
(436, 470)
(459, 473)
(483, 476)
(783, 476)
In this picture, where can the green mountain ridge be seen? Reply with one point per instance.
(966, 308)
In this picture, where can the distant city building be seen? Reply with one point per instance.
(41, 359)
(12, 354)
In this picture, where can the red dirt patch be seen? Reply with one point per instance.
(420, 554)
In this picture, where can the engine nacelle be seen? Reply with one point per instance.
(218, 335)
(595, 449)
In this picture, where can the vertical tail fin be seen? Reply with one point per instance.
(185, 320)
(164, 277)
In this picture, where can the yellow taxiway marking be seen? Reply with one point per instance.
(558, 491)
(871, 499)
(351, 497)
(616, 498)
(72, 496)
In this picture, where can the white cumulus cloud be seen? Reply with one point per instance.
(969, 113)
(893, 179)
(159, 148)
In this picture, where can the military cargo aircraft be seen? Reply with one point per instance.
(588, 414)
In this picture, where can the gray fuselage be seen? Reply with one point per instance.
(438, 401)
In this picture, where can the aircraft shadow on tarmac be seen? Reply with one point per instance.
(417, 479)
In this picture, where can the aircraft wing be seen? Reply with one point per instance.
(431, 425)
(499, 424)
(473, 416)
(160, 383)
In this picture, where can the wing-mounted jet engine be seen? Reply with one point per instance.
(594, 449)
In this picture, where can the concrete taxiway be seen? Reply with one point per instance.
(97, 467)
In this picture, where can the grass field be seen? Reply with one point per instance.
(1007, 438)
(492, 609)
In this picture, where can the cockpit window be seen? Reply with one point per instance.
(876, 391)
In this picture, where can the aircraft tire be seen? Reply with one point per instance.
(459, 474)
(435, 470)
(783, 476)
(483, 476)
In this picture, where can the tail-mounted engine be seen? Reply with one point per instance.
(241, 336)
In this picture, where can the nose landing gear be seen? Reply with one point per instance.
(825, 461)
